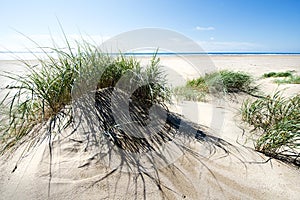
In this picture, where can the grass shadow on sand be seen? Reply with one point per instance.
(144, 155)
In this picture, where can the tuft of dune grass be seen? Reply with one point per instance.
(287, 77)
(224, 81)
(276, 122)
(289, 80)
(44, 95)
(277, 74)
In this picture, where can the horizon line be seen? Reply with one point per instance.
(171, 53)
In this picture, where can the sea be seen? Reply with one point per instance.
(7, 55)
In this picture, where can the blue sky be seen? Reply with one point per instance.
(217, 25)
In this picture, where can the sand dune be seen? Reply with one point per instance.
(198, 169)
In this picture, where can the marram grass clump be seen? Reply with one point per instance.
(276, 122)
(287, 77)
(295, 79)
(277, 74)
(224, 82)
(44, 95)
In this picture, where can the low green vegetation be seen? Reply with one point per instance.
(286, 77)
(189, 93)
(276, 121)
(277, 74)
(45, 94)
(224, 81)
(289, 80)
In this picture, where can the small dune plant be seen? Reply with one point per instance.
(295, 79)
(224, 81)
(276, 124)
(277, 74)
(287, 77)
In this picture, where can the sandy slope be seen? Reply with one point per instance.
(241, 174)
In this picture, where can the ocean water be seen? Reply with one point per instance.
(34, 55)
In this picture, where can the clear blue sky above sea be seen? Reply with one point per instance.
(217, 25)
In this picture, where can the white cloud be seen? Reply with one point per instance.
(209, 28)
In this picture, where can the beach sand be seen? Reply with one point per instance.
(243, 174)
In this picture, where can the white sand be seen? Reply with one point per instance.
(232, 177)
